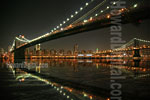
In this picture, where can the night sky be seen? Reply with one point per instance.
(33, 18)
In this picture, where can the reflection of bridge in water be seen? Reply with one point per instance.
(94, 71)
(63, 90)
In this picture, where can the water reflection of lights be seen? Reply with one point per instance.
(22, 80)
(89, 61)
(142, 76)
(63, 90)
(13, 71)
(80, 61)
(122, 64)
(60, 89)
(108, 98)
(126, 65)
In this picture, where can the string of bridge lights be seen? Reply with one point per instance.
(108, 7)
(25, 41)
(12, 46)
(125, 45)
(21, 40)
(65, 21)
(72, 16)
(131, 42)
(89, 12)
(142, 40)
(102, 11)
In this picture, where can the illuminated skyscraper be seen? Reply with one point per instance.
(97, 50)
(38, 47)
(76, 49)
(2, 51)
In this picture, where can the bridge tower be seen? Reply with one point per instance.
(136, 49)
(19, 54)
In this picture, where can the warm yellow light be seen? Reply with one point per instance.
(122, 9)
(108, 16)
(91, 97)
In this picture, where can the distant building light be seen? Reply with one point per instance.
(89, 55)
(80, 55)
(91, 18)
(89, 61)
(85, 21)
(80, 61)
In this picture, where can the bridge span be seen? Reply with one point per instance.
(127, 15)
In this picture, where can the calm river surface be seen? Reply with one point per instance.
(79, 79)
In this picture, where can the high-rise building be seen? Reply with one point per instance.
(69, 52)
(76, 49)
(27, 51)
(61, 52)
(83, 51)
(89, 51)
(2, 51)
(53, 52)
(38, 47)
(97, 50)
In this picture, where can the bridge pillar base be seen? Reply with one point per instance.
(136, 63)
(19, 55)
(136, 53)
